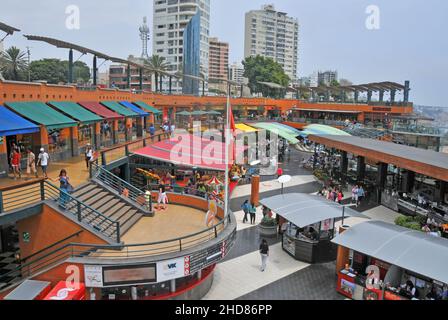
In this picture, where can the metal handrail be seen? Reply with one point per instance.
(119, 185)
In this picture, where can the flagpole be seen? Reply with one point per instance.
(227, 140)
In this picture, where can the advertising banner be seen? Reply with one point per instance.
(93, 276)
(172, 269)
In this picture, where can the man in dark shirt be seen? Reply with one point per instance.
(264, 252)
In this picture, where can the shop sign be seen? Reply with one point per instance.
(26, 237)
(171, 269)
(326, 225)
(93, 276)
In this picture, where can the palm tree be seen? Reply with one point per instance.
(157, 64)
(12, 63)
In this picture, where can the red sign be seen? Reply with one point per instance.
(67, 291)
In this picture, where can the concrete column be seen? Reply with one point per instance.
(173, 285)
(128, 76)
(128, 132)
(382, 175)
(381, 98)
(70, 66)
(94, 70)
(406, 91)
(369, 96)
(361, 168)
(356, 95)
(344, 166)
(392, 95)
(97, 135)
(441, 191)
(199, 274)
(140, 78)
(115, 131)
(4, 167)
(43, 138)
(140, 126)
(74, 138)
(255, 190)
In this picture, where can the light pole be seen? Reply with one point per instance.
(343, 211)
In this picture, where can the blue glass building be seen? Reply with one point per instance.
(192, 55)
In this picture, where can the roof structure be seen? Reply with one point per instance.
(100, 110)
(118, 108)
(427, 162)
(374, 86)
(76, 112)
(304, 209)
(13, 124)
(134, 108)
(8, 29)
(412, 250)
(285, 134)
(147, 107)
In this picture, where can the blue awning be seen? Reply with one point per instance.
(12, 124)
(134, 108)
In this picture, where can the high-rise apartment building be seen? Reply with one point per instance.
(236, 72)
(170, 19)
(218, 59)
(273, 34)
(325, 78)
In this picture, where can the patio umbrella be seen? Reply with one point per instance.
(183, 113)
(213, 181)
(198, 113)
(216, 113)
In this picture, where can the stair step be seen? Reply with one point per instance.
(102, 201)
(130, 223)
(128, 215)
(109, 206)
(120, 213)
(83, 190)
(92, 192)
(91, 201)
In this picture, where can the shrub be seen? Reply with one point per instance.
(413, 223)
(268, 222)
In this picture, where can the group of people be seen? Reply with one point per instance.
(249, 209)
(358, 194)
(31, 164)
(333, 194)
(168, 129)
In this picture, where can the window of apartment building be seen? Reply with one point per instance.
(172, 9)
(160, 10)
(171, 2)
(159, 50)
(160, 26)
(171, 34)
(160, 2)
(162, 34)
(160, 42)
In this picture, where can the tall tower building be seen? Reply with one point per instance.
(218, 59)
(171, 18)
(273, 34)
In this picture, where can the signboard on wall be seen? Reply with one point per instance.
(129, 275)
(172, 269)
(93, 276)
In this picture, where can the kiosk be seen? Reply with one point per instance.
(308, 225)
(389, 262)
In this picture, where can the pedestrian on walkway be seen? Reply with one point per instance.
(89, 155)
(15, 163)
(43, 159)
(162, 200)
(152, 131)
(31, 163)
(340, 196)
(253, 212)
(279, 172)
(65, 186)
(264, 253)
(355, 194)
(361, 193)
(245, 206)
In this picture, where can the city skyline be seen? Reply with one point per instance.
(408, 46)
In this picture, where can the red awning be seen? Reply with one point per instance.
(67, 291)
(100, 110)
(189, 151)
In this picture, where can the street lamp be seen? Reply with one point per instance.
(284, 179)
(343, 211)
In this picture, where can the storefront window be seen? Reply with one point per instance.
(85, 135)
(59, 140)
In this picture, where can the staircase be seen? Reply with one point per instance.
(110, 204)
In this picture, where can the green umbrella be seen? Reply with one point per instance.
(214, 113)
(183, 113)
(198, 113)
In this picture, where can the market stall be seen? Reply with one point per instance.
(387, 262)
(308, 225)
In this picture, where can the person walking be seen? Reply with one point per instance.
(264, 253)
(340, 196)
(43, 159)
(89, 155)
(245, 207)
(361, 193)
(31, 163)
(152, 131)
(15, 163)
(162, 200)
(252, 212)
(65, 186)
(355, 194)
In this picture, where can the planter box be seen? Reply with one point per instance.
(268, 232)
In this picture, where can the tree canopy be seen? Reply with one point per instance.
(55, 71)
(13, 64)
(262, 69)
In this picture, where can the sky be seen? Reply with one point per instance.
(410, 44)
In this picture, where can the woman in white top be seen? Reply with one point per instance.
(89, 155)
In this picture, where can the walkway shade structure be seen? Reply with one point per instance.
(245, 128)
(290, 129)
(281, 132)
(412, 250)
(427, 162)
(76, 112)
(183, 113)
(43, 114)
(322, 129)
(304, 209)
(134, 108)
(189, 151)
(100, 110)
(147, 107)
(118, 108)
(12, 124)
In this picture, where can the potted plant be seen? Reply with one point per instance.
(268, 227)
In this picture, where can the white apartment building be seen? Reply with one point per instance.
(170, 17)
(236, 72)
(273, 34)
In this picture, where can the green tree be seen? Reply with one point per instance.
(13, 64)
(157, 63)
(55, 71)
(261, 69)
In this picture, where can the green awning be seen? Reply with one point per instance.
(43, 114)
(147, 107)
(277, 130)
(76, 112)
(118, 108)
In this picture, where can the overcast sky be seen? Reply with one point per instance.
(411, 44)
